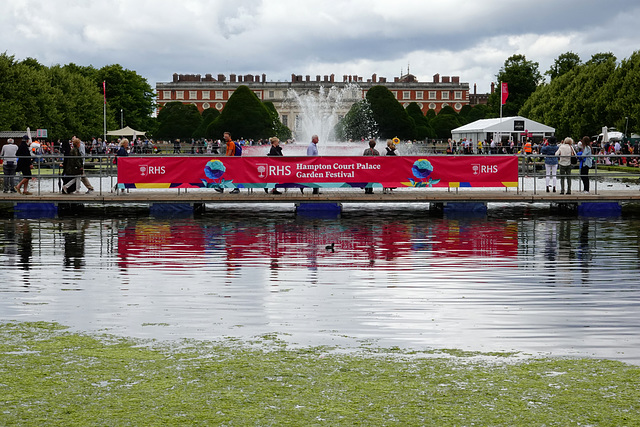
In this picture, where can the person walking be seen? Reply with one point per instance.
(74, 168)
(312, 150)
(9, 165)
(84, 178)
(586, 162)
(275, 150)
(565, 151)
(371, 151)
(550, 161)
(24, 165)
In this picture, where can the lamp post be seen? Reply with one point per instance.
(121, 119)
(626, 125)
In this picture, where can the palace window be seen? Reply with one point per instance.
(193, 94)
(419, 94)
(433, 94)
(166, 94)
(219, 94)
(457, 94)
(206, 94)
(179, 94)
(406, 94)
(445, 94)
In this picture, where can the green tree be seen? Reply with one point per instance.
(522, 77)
(444, 122)
(208, 116)
(563, 64)
(280, 130)
(244, 115)
(178, 120)
(358, 123)
(391, 119)
(599, 58)
(129, 96)
(423, 127)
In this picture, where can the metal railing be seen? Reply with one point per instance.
(48, 168)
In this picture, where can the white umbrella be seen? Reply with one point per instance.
(605, 134)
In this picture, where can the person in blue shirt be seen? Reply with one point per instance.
(585, 155)
(548, 150)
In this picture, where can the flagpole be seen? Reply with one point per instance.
(104, 110)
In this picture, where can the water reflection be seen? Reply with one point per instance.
(509, 281)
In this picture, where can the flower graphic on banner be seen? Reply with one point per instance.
(422, 169)
(213, 170)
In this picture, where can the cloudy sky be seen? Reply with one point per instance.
(466, 38)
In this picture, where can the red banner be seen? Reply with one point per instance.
(505, 93)
(320, 171)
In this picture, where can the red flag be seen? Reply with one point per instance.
(505, 93)
(104, 90)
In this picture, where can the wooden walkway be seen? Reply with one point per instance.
(293, 196)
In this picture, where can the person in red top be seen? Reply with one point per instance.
(231, 151)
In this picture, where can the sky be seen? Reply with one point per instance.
(466, 38)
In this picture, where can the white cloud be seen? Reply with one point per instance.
(470, 39)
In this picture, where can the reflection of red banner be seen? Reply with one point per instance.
(177, 245)
(390, 171)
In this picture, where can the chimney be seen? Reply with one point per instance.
(175, 77)
(374, 78)
(221, 78)
(264, 78)
(493, 87)
(232, 78)
(333, 76)
(445, 79)
(293, 78)
(307, 78)
(475, 89)
(436, 78)
(455, 79)
(317, 77)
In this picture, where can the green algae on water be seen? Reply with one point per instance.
(54, 377)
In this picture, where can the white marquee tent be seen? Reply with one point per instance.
(516, 128)
(126, 131)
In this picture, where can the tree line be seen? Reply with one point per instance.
(67, 100)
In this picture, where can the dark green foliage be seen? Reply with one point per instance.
(280, 130)
(244, 116)
(178, 120)
(208, 116)
(68, 100)
(444, 122)
(563, 64)
(39, 97)
(590, 96)
(358, 123)
(392, 120)
(423, 127)
(522, 77)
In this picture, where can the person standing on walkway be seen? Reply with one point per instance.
(24, 165)
(371, 151)
(586, 161)
(231, 151)
(391, 151)
(9, 165)
(312, 150)
(565, 151)
(550, 160)
(275, 150)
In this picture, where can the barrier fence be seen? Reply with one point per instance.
(210, 171)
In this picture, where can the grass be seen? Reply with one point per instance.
(49, 376)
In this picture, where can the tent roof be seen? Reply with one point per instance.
(502, 125)
(126, 131)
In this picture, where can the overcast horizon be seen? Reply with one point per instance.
(278, 38)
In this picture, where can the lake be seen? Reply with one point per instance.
(520, 278)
